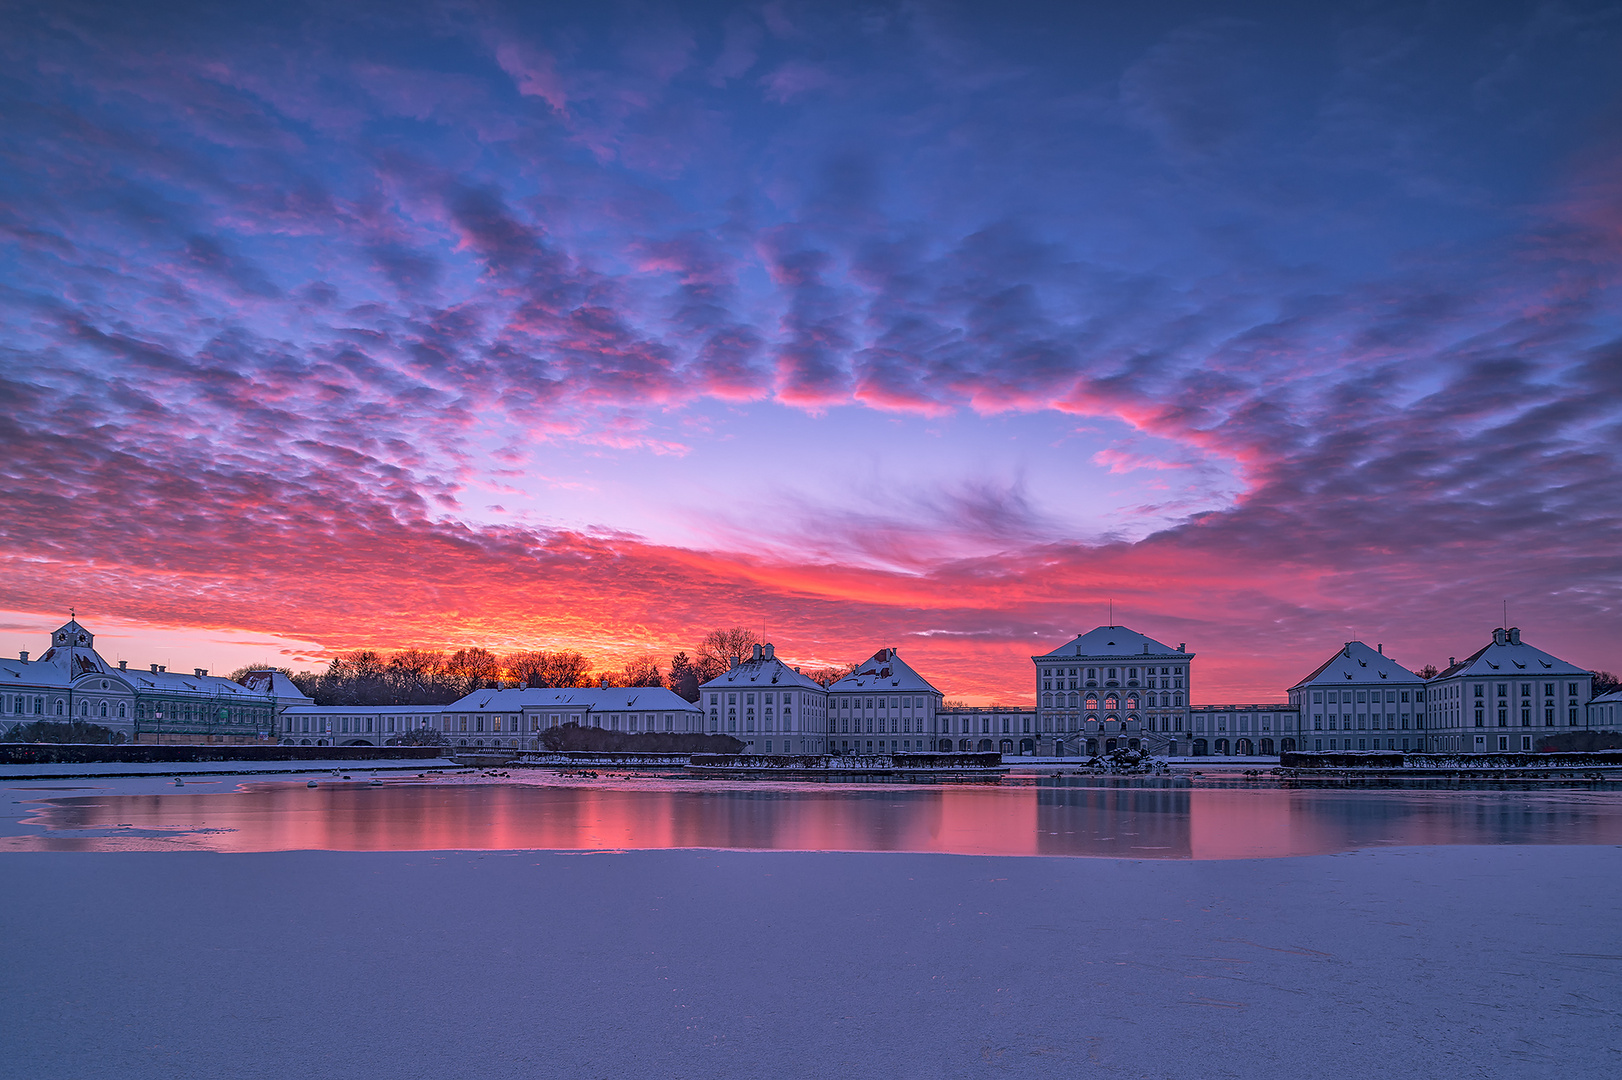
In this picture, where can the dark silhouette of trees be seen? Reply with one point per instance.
(683, 679)
(1606, 682)
(46, 731)
(562, 668)
(642, 671)
(719, 647)
(1429, 671)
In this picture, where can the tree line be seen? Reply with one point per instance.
(435, 677)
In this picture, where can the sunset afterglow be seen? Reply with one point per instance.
(934, 327)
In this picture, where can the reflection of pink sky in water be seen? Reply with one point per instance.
(1036, 819)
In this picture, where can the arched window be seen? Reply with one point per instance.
(1112, 702)
(121, 710)
(1092, 701)
(60, 706)
(1132, 702)
(104, 708)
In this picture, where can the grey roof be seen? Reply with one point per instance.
(762, 671)
(594, 699)
(1357, 663)
(1111, 641)
(277, 685)
(1507, 658)
(884, 670)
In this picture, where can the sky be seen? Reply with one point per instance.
(953, 328)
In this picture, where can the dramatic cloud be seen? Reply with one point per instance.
(939, 327)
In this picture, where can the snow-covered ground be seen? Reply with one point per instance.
(1395, 962)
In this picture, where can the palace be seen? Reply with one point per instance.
(1111, 687)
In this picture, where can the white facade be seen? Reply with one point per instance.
(1242, 730)
(769, 706)
(71, 681)
(1505, 697)
(515, 718)
(1002, 728)
(1361, 699)
(884, 707)
(1116, 684)
(354, 725)
(1604, 713)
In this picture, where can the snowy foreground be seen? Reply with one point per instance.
(1398, 962)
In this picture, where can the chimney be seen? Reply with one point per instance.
(23, 656)
(1381, 648)
(154, 669)
(603, 685)
(1182, 646)
(770, 651)
(200, 672)
(1452, 661)
(796, 669)
(163, 668)
(1514, 635)
(1499, 636)
(757, 653)
(123, 665)
(735, 660)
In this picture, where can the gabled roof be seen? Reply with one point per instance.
(594, 699)
(277, 685)
(1506, 656)
(760, 672)
(1357, 663)
(1111, 641)
(884, 670)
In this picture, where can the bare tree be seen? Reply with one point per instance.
(548, 669)
(1429, 671)
(715, 654)
(1606, 682)
(642, 671)
(473, 668)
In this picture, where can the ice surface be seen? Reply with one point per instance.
(1424, 962)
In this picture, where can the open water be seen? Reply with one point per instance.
(1064, 816)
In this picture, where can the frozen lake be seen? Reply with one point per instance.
(1053, 816)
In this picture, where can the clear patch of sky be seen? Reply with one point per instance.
(775, 479)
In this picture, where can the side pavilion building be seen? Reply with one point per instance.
(770, 706)
(885, 707)
(1361, 699)
(1505, 696)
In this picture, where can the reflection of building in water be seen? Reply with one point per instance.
(771, 707)
(71, 681)
(1242, 730)
(1111, 686)
(1505, 697)
(884, 707)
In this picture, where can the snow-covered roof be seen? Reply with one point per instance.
(1357, 663)
(1507, 656)
(277, 685)
(174, 682)
(1613, 698)
(761, 670)
(884, 670)
(1111, 641)
(594, 699)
